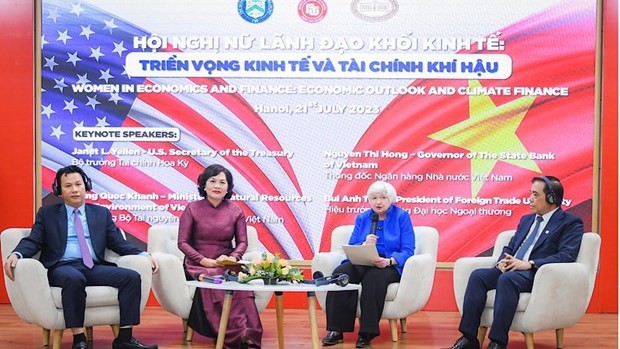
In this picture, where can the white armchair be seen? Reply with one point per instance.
(169, 285)
(560, 294)
(403, 298)
(36, 302)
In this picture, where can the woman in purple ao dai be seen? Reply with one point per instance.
(206, 230)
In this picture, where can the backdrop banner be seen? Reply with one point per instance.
(458, 104)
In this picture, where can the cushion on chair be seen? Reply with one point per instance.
(391, 291)
(96, 296)
(524, 299)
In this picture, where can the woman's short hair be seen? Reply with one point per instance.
(212, 171)
(383, 188)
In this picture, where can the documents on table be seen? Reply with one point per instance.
(361, 254)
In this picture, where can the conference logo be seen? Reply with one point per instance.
(312, 11)
(255, 11)
(374, 10)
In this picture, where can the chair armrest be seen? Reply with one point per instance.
(252, 255)
(142, 265)
(415, 286)
(559, 297)
(463, 267)
(31, 295)
(326, 262)
(169, 285)
(111, 256)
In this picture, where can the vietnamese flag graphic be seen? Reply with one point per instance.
(477, 152)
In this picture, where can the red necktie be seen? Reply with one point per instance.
(87, 258)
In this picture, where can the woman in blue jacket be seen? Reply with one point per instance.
(388, 227)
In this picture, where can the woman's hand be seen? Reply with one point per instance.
(225, 258)
(371, 239)
(381, 262)
(208, 262)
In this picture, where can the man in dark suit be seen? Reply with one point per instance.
(72, 238)
(550, 235)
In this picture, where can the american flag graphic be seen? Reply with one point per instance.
(82, 47)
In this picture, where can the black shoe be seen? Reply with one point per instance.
(132, 344)
(495, 345)
(332, 338)
(464, 343)
(362, 342)
(247, 344)
(80, 345)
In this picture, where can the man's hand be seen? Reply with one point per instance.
(510, 263)
(9, 265)
(154, 265)
(501, 265)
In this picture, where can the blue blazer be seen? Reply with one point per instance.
(558, 243)
(399, 238)
(49, 234)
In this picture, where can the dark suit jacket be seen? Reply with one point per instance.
(558, 243)
(49, 234)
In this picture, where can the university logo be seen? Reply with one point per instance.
(374, 10)
(255, 11)
(312, 11)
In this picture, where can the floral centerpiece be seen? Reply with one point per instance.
(271, 268)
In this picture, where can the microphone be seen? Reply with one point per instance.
(373, 227)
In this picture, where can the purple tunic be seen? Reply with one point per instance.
(208, 231)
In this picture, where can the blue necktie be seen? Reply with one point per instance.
(530, 239)
(87, 258)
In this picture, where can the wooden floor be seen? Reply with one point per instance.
(425, 330)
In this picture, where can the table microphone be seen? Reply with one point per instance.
(373, 227)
